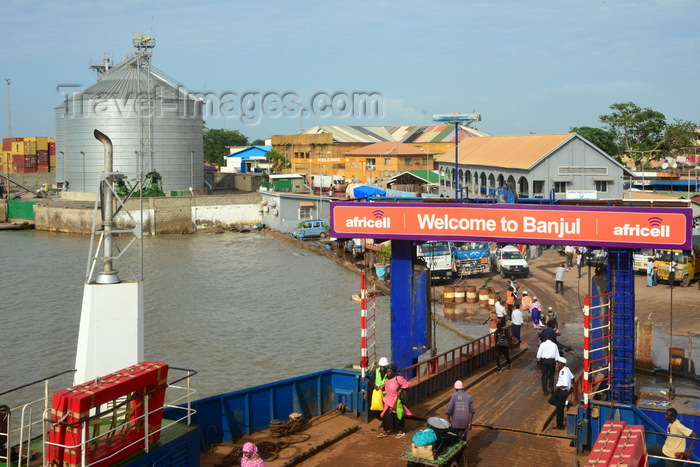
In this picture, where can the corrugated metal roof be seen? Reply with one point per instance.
(125, 81)
(513, 152)
(388, 148)
(402, 134)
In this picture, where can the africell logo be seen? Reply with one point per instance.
(377, 221)
(655, 229)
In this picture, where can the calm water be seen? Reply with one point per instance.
(241, 309)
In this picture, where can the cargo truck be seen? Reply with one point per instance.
(438, 257)
(687, 263)
(471, 259)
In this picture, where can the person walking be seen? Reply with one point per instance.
(547, 354)
(378, 384)
(525, 304)
(517, 319)
(510, 300)
(393, 415)
(675, 440)
(671, 272)
(535, 308)
(579, 261)
(650, 272)
(559, 278)
(460, 411)
(655, 280)
(569, 252)
(502, 346)
(500, 310)
(565, 380)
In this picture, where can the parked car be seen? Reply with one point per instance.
(596, 257)
(509, 262)
(312, 228)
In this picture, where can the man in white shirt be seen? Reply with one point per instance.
(500, 310)
(547, 354)
(565, 381)
(517, 319)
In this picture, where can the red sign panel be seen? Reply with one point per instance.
(625, 227)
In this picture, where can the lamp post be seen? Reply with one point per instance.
(457, 119)
(63, 165)
(81, 152)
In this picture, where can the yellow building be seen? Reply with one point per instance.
(327, 149)
(386, 160)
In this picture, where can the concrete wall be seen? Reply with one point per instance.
(3, 210)
(33, 181)
(161, 215)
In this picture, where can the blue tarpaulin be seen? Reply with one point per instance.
(365, 191)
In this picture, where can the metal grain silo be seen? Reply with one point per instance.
(154, 124)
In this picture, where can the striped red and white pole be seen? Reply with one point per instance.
(586, 347)
(364, 359)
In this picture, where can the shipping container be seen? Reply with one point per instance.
(30, 148)
(18, 161)
(7, 143)
(6, 157)
(42, 143)
(30, 161)
(52, 162)
(42, 168)
(42, 157)
(18, 148)
(52, 147)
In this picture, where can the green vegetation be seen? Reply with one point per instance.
(216, 140)
(639, 135)
(278, 161)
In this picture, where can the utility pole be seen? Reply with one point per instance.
(9, 110)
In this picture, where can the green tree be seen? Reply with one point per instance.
(603, 139)
(680, 136)
(258, 142)
(278, 161)
(216, 140)
(638, 132)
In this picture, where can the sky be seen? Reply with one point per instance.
(273, 67)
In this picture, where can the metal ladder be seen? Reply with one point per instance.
(368, 323)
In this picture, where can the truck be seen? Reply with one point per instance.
(640, 259)
(687, 264)
(509, 262)
(311, 229)
(471, 258)
(438, 257)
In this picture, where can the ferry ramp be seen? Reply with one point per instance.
(513, 425)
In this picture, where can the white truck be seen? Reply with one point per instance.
(509, 262)
(437, 257)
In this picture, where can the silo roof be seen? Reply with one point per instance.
(125, 80)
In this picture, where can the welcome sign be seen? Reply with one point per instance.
(625, 227)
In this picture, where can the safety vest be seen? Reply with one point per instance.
(510, 298)
(656, 265)
(525, 302)
(379, 380)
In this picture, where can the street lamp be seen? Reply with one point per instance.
(63, 164)
(457, 118)
(81, 152)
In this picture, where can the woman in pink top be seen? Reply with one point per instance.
(250, 456)
(391, 419)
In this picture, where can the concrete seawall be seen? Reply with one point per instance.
(166, 215)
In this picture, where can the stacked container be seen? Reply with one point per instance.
(28, 155)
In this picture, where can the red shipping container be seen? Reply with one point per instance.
(42, 157)
(30, 161)
(52, 148)
(18, 161)
(7, 143)
(42, 168)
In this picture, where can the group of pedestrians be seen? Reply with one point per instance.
(652, 272)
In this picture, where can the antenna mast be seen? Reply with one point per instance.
(9, 110)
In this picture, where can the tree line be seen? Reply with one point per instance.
(640, 135)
